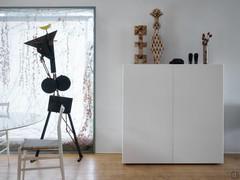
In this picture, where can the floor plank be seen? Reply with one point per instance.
(110, 167)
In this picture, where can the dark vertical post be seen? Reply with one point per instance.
(75, 138)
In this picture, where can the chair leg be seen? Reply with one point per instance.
(61, 164)
(19, 163)
(24, 164)
(8, 150)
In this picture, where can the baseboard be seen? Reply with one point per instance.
(103, 152)
(231, 152)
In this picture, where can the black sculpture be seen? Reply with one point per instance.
(177, 61)
(190, 58)
(44, 45)
(195, 58)
(53, 84)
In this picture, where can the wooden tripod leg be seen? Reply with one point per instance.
(75, 138)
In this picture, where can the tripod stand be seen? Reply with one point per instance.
(73, 132)
(54, 106)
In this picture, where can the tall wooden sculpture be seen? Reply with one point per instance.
(205, 40)
(140, 31)
(157, 44)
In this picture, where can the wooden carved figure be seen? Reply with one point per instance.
(205, 40)
(140, 31)
(157, 44)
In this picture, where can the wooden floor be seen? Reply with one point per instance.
(109, 167)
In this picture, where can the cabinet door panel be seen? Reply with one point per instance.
(147, 124)
(198, 114)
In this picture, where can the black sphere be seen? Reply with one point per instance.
(49, 85)
(63, 83)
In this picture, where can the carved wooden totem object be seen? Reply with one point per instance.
(157, 44)
(205, 40)
(140, 31)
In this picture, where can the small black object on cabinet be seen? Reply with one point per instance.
(195, 58)
(177, 61)
(190, 58)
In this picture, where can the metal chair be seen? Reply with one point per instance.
(44, 145)
(4, 140)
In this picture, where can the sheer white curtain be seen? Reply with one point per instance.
(22, 73)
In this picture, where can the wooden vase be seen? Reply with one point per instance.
(205, 55)
(140, 31)
(157, 45)
(205, 39)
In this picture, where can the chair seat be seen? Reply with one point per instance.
(35, 144)
(3, 133)
(41, 144)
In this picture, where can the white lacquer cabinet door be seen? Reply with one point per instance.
(147, 124)
(198, 114)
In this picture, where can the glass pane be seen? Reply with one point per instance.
(22, 72)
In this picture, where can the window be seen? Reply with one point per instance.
(22, 72)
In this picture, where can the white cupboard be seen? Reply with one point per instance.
(173, 114)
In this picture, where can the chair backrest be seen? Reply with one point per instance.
(4, 109)
(60, 117)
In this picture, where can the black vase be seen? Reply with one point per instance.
(195, 58)
(190, 58)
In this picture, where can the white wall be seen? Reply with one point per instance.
(182, 24)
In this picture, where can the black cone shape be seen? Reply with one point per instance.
(44, 44)
(45, 47)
